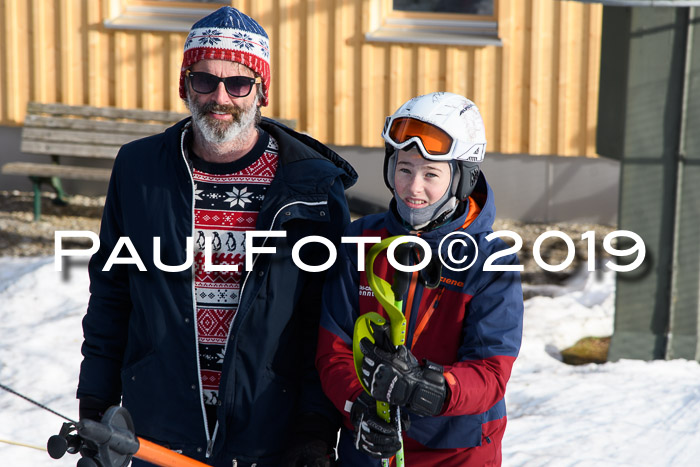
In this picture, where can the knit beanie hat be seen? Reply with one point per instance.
(228, 34)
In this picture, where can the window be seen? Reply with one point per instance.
(465, 22)
(226, 2)
(159, 15)
(465, 7)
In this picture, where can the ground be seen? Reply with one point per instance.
(21, 236)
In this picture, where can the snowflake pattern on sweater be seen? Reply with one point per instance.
(228, 198)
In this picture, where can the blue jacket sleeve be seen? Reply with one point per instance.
(492, 337)
(339, 312)
(313, 399)
(106, 322)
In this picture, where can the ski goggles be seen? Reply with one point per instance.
(206, 83)
(435, 143)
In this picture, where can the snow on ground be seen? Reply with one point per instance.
(40, 338)
(627, 413)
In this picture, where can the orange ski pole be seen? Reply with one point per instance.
(158, 455)
(112, 443)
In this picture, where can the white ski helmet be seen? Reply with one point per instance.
(445, 127)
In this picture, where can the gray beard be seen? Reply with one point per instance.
(216, 132)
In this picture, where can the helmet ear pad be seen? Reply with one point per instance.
(468, 176)
(389, 166)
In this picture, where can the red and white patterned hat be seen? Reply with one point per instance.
(228, 34)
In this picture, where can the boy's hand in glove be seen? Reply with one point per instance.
(396, 377)
(315, 453)
(373, 435)
(311, 441)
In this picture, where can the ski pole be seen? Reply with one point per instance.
(368, 325)
(113, 443)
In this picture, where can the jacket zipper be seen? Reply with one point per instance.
(408, 304)
(240, 299)
(255, 258)
(210, 439)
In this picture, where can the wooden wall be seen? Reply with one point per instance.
(538, 92)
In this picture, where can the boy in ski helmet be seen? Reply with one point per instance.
(445, 129)
(464, 322)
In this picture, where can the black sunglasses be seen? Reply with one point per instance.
(206, 83)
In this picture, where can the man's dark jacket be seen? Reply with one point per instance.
(140, 327)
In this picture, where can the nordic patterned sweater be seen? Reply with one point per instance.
(228, 197)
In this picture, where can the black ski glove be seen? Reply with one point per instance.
(93, 408)
(373, 435)
(397, 378)
(314, 453)
(312, 441)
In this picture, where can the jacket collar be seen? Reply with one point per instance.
(300, 146)
(294, 146)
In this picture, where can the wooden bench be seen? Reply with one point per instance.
(85, 132)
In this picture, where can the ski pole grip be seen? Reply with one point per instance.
(118, 440)
(66, 441)
(124, 442)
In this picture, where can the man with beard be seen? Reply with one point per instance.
(214, 357)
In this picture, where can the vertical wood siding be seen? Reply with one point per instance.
(538, 92)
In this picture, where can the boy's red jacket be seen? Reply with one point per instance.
(471, 324)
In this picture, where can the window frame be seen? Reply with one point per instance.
(152, 15)
(390, 25)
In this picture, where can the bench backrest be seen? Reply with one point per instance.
(85, 131)
(94, 132)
